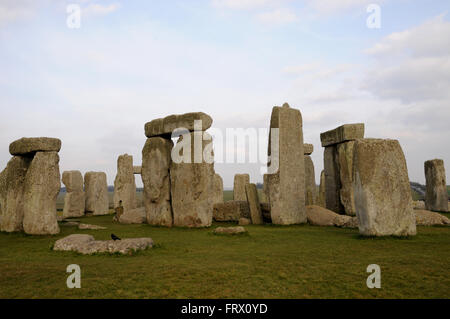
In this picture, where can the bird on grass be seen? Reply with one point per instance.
(114, 237)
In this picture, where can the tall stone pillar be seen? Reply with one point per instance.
(96, 192)
(240, 181)
(125, 184)
(74, 201)
(436, 196)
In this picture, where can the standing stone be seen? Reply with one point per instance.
(382, 190)
(12, 184)
(218, 189)
(253, 203)
(124, 184)
(156, 159)
(74, 201)
(345, 163)
(240, 181)
(310, 181)
(42, 186)
(321, 197)
(286, 180)
(436, 197)
(332, 180)
(96, 192)
(192, 183)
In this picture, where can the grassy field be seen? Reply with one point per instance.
(270, 262)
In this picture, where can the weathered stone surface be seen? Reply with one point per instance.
(218, 189)
(345, 164)
(31, 145)
(253, 203)
(156, 160)
(332, 180)
(165, 126)
(230, 230)
(321, 197)
(90, 227)
(319, 216)
(427, 218)
(436, 197)
(86, 244)
(244, 221)
(419, 204)
(286, 178)
(74, 201)
(96, 193)
(137, 170)
(135, 216)
(240, 181)
(231, 211)
(381, 188)
(310, 181)
(124, 184)
(308, 149)
(12, 186)
(346, 132)
(42, 186)
(192, 183)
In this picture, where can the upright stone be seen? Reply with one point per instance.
(218, 189)
(42, 186)
(192, 181)
(332, 180)
(321, 197)
(74, 201)
(240, 181)
(345, 163)
(253, 203)
(310, 181)
(96, 192)
(124, 184)
(156, 159)
(12, 185)
(381, 188)
(286, 181)
(436, 197)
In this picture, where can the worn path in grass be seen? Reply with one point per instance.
(270, 262)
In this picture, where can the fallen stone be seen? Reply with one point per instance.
(286, 167)
(125, 184)
(253, 203)
(308, 149)
(319, 216)
(86, 244)
(231, 211)
(135, 216)
(436, 196)
(42, 186)
(346, 132)
(165, 126)
(240, 181)
(419, 204)
(12, 187)
(70, 224)
(244, 221)
(90, 227)
(96, 193)
(30, 145)
(230, 230)
(218, 189)
(381, 188)
(156, 160)
(310, 181)
(428, 218)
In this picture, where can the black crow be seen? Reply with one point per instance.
(114, 237)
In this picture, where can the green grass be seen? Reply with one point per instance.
(270, 262)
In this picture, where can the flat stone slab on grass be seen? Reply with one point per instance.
(30, 145)
(319, 216)
(165, 126)
(90, 227)
(346, 132)
(86, 245)
(428, 218)
(230, 230)
(231, 211)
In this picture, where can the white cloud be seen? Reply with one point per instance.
(245, 4)
(277, 16)
(337, 6)
(99, 9)
(13, 10)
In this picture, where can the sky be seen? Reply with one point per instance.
(129, 62)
